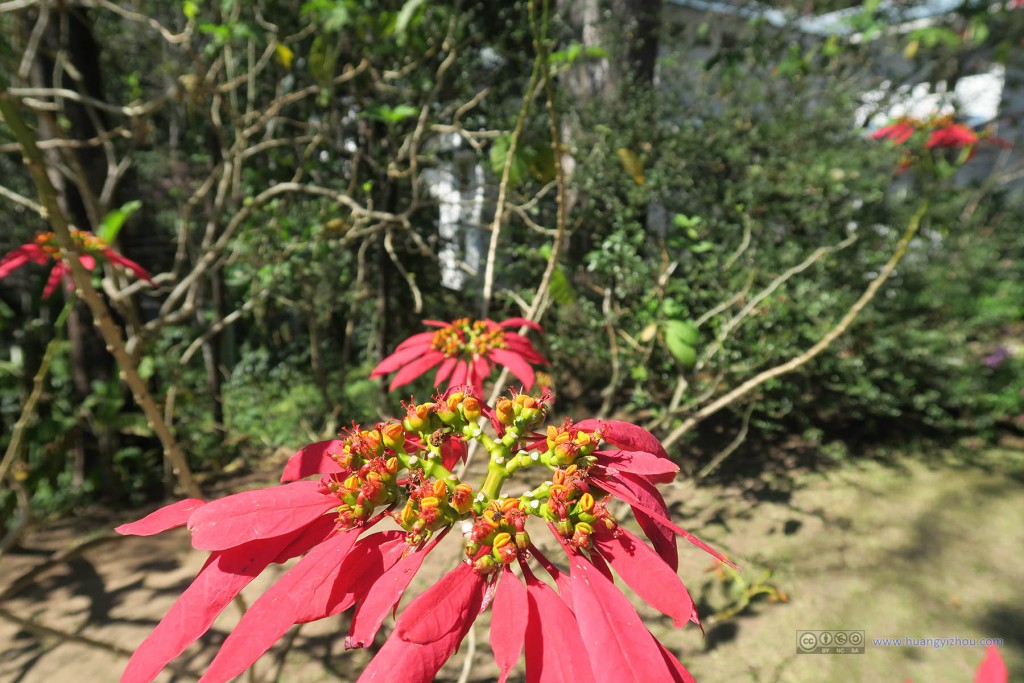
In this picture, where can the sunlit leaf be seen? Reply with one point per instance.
(284, 55)
(112, 223)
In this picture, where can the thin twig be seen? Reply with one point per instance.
(741, 436)
(83, 282)
(506, 173)
(844, 323)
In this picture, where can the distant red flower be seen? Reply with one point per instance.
(954, 135)
(465, 351)
(898, 132)
(586, 630)
(44, 248)
(943, 133)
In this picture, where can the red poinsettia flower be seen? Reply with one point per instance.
(898, 132)
(44, 248)
(464, 352)
(954, 135)
(584, 629)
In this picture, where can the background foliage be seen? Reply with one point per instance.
(280, 170)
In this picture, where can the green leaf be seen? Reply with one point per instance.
(391, 115)
(681, 339)
(189, 9)
(499, 152)
(560, 289)
(322, 60)
(146, 367)
(114, 221)
(406, 14)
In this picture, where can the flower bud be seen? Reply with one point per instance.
(505, 412)
(439, 489)
(504, 550)
(586, 503)
(484, 565)
(471, 409)
(522, 540)
(391, 465)
(558, 477)
(417, 418)
(462, 498)
(565, 528)
(393, 436)
(581, 535)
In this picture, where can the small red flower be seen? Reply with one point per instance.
(465, 351)
(44, 248)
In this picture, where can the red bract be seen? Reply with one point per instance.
(953, 135)
(992, 668)
(897, 133)
(464, 352)
(583, 629)
(44, 248)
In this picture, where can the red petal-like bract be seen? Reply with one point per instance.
(898, 132)
(555, 652)
(57, 274)
(445, 370)
(647, 465)
(429, 630)
(626, 436)
(992, 669)
(278, 609)
(397, 360)
(126, 262)
(629, 495)
(383, 595)
(619, 645)
(479, 370)
(679, 672)
(520, 322)
(647, 574)
(263, 513)
(416, 368)
(521, 345)
(16, 258)
(312, 459)
(459, 374)
(351, 580)
(516, 365)
(449, 606)
(508, 622)
(422, 340)
(218, 582)
(167, 517)
(663, 538)
(453, 450)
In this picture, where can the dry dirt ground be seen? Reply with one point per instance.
(908, 550)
